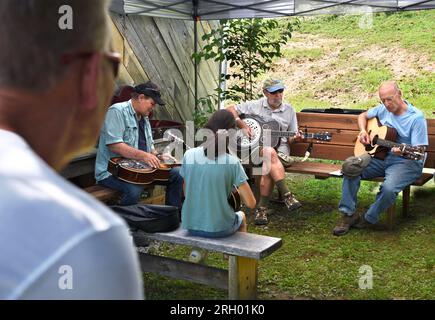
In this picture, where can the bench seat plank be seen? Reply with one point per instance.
(240, 244)
(323, 170)
(314, 168)
(102, 193)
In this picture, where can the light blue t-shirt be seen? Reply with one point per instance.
(207, 186)
(120, 125)
(411, 126)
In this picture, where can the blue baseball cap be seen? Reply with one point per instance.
(272, 85)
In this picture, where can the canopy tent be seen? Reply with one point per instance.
(231, 9)
(236, 9)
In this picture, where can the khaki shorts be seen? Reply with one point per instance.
(248, 157)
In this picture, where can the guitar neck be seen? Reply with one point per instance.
(386, 143)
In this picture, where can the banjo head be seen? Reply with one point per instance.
(245, 142)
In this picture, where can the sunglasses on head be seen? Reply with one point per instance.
(277, 91)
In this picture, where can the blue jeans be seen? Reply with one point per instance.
(398, 172)
(131, 192)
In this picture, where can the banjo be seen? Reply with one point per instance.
(268, 133)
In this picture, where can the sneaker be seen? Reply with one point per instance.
(345, 223)
(291, 202)
(260, 216)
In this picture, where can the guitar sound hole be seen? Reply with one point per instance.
(368, 147)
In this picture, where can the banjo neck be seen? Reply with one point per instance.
(289, 134)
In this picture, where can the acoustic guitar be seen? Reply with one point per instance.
(234, 199)
(382, 140)
(262, 130)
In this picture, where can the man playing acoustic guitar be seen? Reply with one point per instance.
(271, 107)
(399, 172)
(127, 133)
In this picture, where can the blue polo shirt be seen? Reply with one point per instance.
(120, 125)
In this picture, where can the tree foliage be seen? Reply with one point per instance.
(249, 46)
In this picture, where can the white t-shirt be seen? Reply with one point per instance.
(56, 241)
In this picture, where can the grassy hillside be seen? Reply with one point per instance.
(332, 62)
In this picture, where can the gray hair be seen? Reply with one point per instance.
(33, 42)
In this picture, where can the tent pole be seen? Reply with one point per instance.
(195, 47)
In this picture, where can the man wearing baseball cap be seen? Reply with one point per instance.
(127, 133)
(270, 107)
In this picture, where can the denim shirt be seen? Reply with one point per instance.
(120, 125)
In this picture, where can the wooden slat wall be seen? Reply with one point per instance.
(159, 50)
(344, 130)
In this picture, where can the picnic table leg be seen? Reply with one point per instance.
(242, 278)
(406, 194)
(391, 213)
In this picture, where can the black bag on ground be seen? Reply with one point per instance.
(149, 217)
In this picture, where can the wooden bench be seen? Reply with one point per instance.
(103, 194)
(151, 195)
(344, 130)
(244, 250)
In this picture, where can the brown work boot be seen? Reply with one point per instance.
(291, 202)
(260, 216)
(364, 224)
(345, 223)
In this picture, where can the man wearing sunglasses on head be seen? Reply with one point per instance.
(270, 107)
(127, 133)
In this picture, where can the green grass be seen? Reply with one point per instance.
(412, 30)
(303, 100)
(297, 54)
(313, 264)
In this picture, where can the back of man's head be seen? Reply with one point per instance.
(36, 34)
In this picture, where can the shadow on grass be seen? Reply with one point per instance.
(314, 264)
